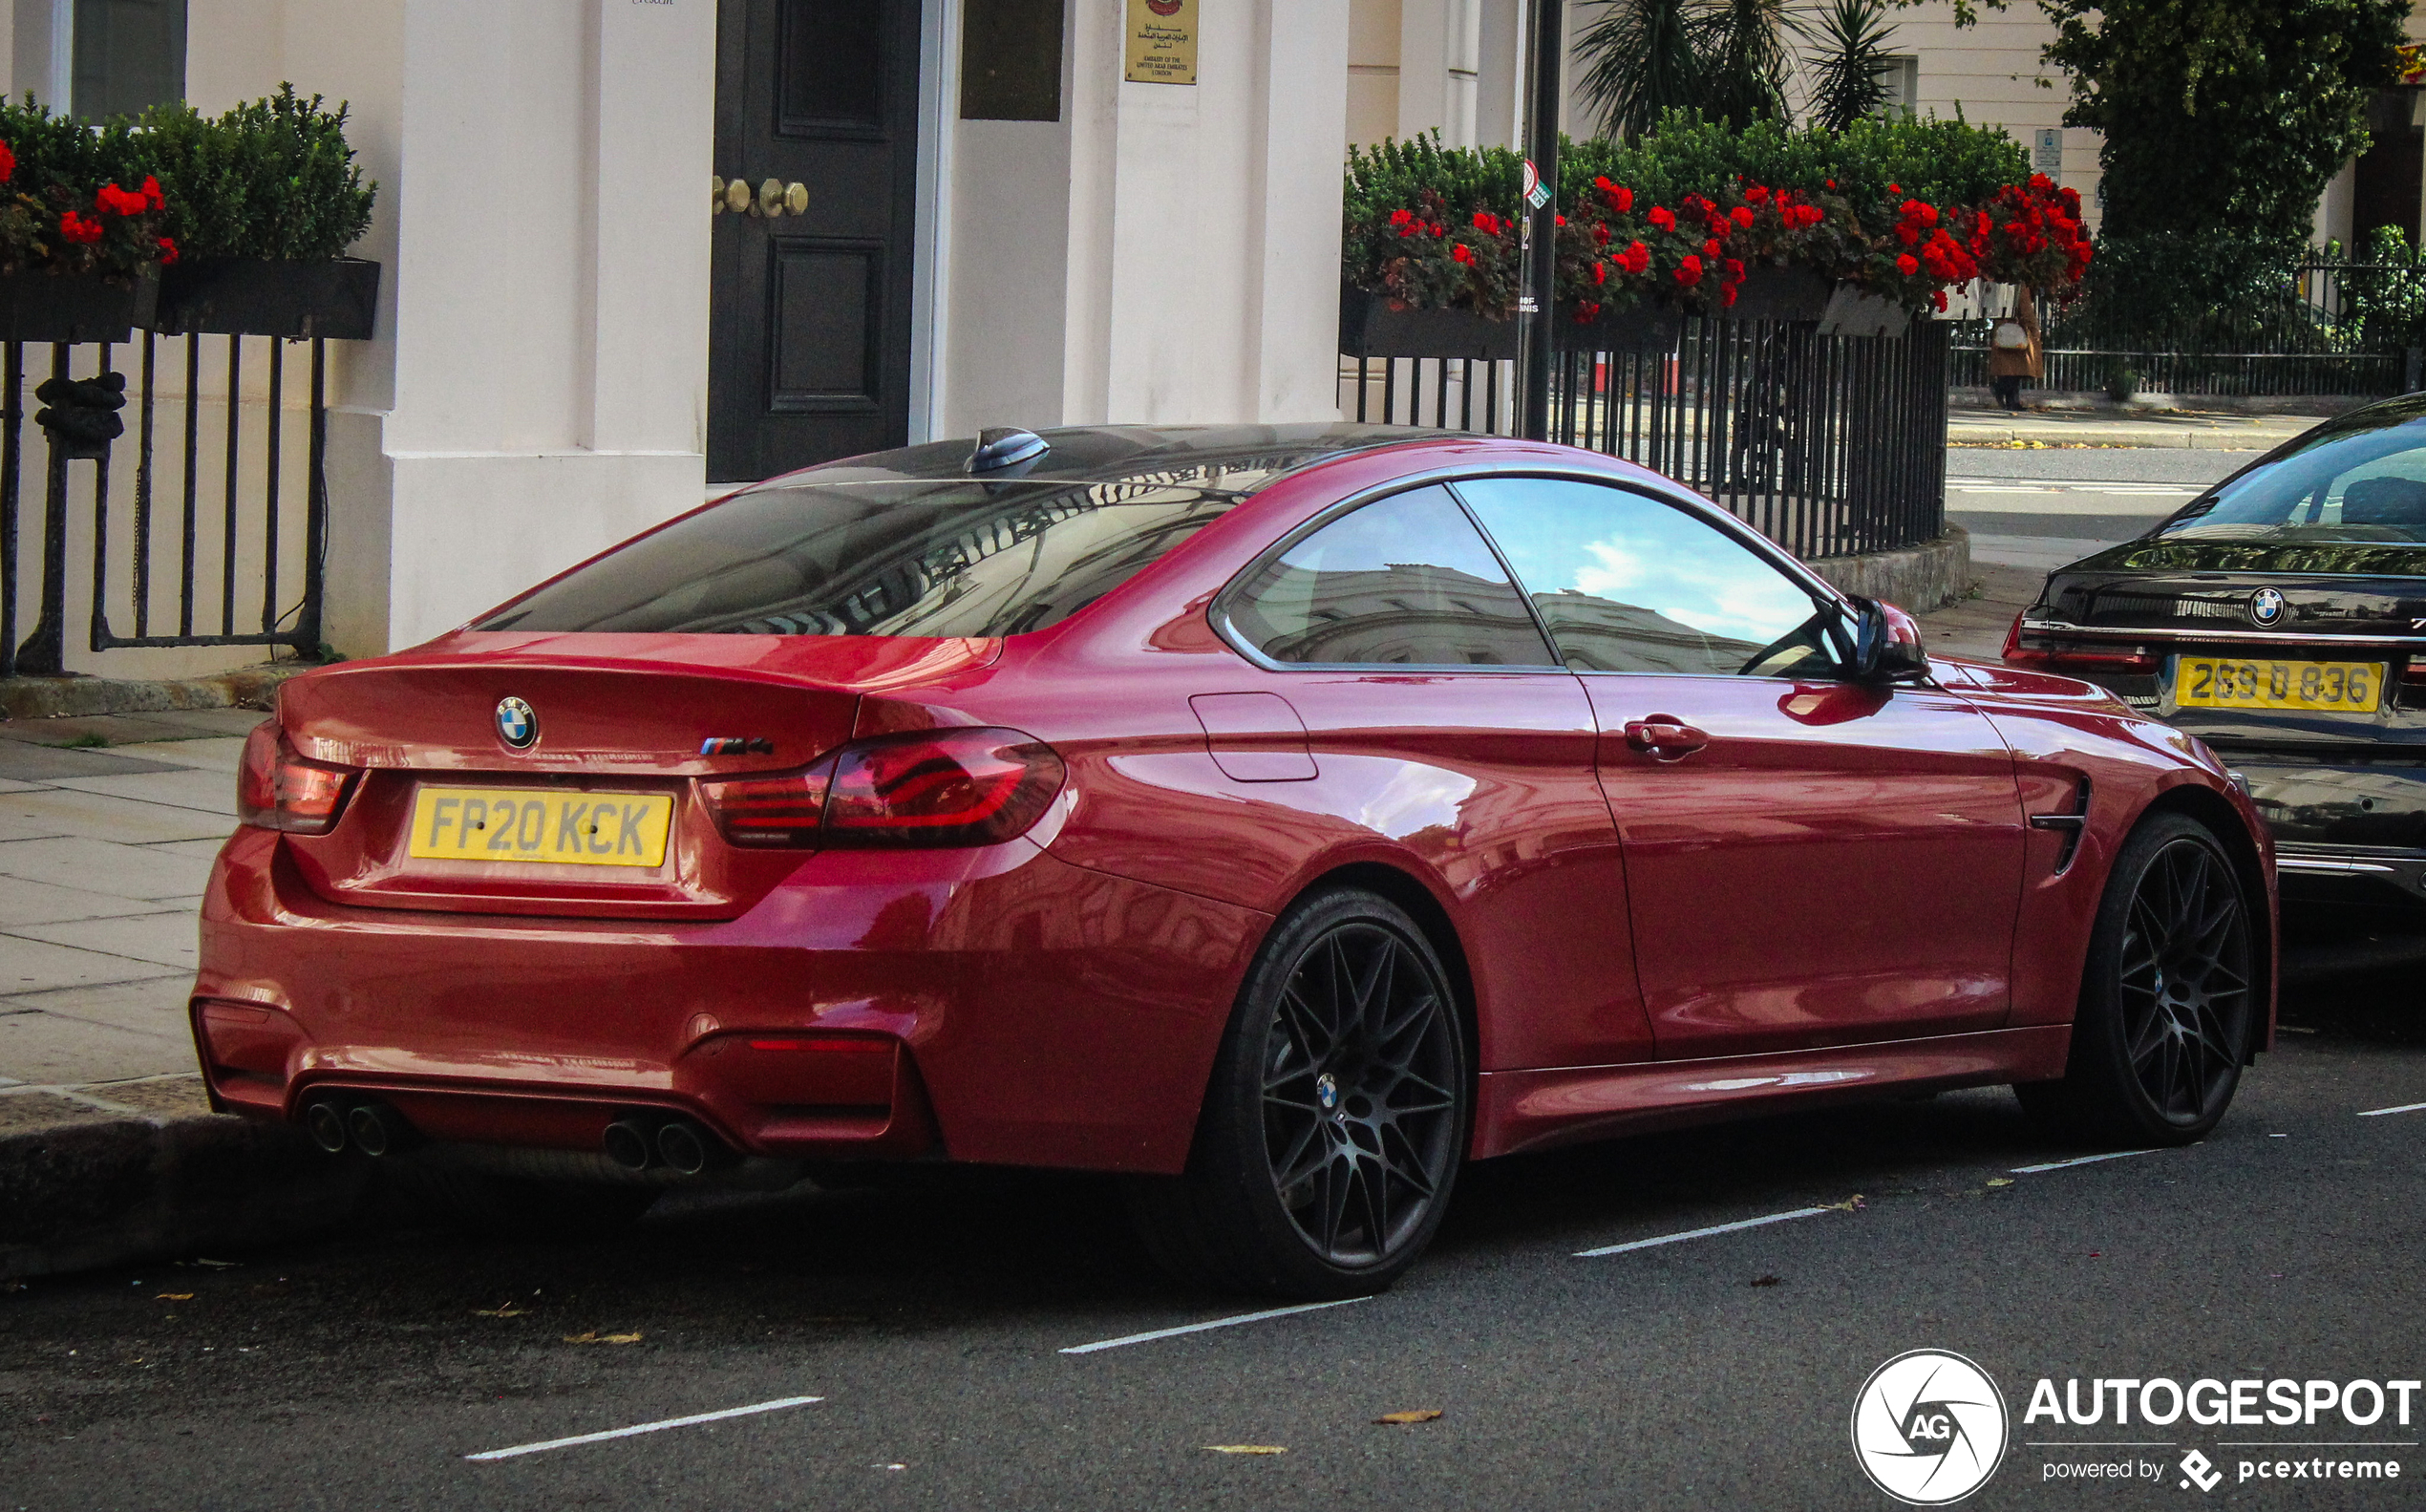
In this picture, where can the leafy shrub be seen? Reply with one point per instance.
(73, 200)
(273, 179)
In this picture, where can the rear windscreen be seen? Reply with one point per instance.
(2364, 485)
(946, 558)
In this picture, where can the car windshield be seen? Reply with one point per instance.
(925, 558)
(2342, 484)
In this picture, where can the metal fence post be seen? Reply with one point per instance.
(44, 654)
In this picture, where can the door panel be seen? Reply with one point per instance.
(1831, 864)
(810, 334)
(1488, 777)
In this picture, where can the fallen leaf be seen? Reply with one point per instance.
(215, 1265)
(1247, 1449)
(1848, 1205)
(507, 1310)
(173, 1296)
(593, 1337)
(2000, 1181)
(1418, 1415)
(1763, 1281)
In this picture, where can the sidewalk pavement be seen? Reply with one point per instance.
(2034, 428)
(109, 1152)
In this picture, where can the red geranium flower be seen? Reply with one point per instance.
(168, 251)
(1461, 252)
(119, 202)
(1908, 265)
(73, 227)
(1689, 272)
(1710, 249)
(1741, 215)
(8, 164)
(1662, 218)
(152, 192)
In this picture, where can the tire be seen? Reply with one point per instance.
(1337, 1117)
(2168, 1011)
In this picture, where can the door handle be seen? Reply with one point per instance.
(768, 201)
(1664, 737)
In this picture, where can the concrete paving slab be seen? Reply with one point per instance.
(155, 1005)
(98, 816)
(237, 723)
(211, 753)
(23, 902)
(184, 786)
(207, 849)
(131, 871)
(41, 1050)
(35, 966)
(27, 761)
(163, 939)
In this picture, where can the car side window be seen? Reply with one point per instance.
(1402, 581)
(1628, 584)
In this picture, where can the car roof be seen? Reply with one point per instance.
(1102, 454)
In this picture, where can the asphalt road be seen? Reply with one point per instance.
(2043, 509)
(930, 1323)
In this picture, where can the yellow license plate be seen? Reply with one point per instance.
(2223, 682)
(581, 829)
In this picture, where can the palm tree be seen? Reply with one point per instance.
(1745, 57)
(1725, 59)
(1849, 69)
(1644, 62)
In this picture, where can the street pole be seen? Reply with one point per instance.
(1542, 221)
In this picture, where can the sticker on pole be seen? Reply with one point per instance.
(1536, 194)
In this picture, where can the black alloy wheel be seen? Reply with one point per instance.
(1337, 1116)
(2167, 1004)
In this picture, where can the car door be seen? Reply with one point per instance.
(1811, 861)
(1441, 723)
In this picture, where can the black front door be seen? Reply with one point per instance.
(809, 348)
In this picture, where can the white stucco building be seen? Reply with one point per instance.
(995, 224)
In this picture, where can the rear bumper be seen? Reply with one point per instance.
(992, 1004)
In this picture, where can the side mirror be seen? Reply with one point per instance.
(1886, 644)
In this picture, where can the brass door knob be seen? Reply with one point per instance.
(715, 192)
(771, 198)
(796, 197)
(737, 196)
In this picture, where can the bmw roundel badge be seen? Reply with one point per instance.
(2266, 607)
(517, 724)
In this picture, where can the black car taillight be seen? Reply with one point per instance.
(2033, 649)
(930, 789)
(277, 788)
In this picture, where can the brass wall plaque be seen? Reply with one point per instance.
(1162, 42)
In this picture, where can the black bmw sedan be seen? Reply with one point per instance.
(2281, 617)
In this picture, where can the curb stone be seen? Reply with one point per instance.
(108, 1188)
(61, 697)
(1917, 579)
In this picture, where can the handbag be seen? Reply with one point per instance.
(2011, 335)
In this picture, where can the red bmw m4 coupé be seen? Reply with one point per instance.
(1281, 817)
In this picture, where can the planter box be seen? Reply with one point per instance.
(250, 296)
(74, 307)
(1369, 328)
(1781, 293)
(1650, 325)
(1851, 313)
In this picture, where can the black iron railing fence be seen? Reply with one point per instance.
(2319, 330)
(1830, 445)
(186, 531)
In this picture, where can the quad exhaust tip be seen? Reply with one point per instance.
(639, 1142)
(366, 1124)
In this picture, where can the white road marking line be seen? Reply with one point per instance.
(776, 1405)
(2077, 1159)
(2406, 1107)
(1199, 1328)
(1701, 1233)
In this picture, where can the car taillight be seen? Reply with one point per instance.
(277, 788)
(2033, 650)
(934, 788)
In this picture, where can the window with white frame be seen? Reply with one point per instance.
(125, 55)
